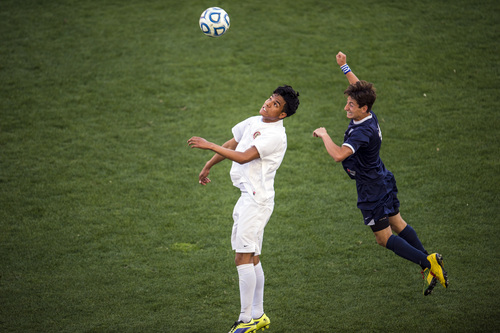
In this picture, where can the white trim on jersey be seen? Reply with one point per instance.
(348, 145)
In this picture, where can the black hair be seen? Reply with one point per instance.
(291, 98)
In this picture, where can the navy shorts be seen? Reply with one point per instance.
(388, 205)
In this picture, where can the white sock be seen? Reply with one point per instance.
(258, 298)
(247, 279)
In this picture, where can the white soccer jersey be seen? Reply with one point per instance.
(257, 176)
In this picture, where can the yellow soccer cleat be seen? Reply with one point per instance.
(241, 327)
(437, 269)
(429, 281)
(262, 323)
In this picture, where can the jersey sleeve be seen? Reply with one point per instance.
(239, 129)
(357, 139)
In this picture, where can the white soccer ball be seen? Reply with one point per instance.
(214, 22)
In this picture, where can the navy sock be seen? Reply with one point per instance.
(409, 235)
(403, 249)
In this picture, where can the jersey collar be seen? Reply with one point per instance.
(362, 120)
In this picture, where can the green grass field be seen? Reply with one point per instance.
(104, 227)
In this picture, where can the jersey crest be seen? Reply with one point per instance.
(351, 172)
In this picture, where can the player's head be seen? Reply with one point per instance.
(363, 93)
(291, 98)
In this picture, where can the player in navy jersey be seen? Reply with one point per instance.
(376, 186)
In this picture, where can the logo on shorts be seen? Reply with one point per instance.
(351, 172)
(256, 134)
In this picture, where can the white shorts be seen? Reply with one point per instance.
(250, 219)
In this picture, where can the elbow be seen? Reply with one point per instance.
(243, 160)
(338, 159)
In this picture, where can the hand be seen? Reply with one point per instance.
(320, 132)
(341, 59)
(203, 177)
(197, 142)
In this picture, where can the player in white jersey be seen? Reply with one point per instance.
(257, 149)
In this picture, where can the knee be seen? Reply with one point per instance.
(397, 223)
(381, 241)
(238, 260)
(383, 236)
(243, 258)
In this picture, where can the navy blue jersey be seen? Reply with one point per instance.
(364, 165)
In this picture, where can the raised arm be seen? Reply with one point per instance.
(342, 62)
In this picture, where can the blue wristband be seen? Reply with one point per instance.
(345, 68)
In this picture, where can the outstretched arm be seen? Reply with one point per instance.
(338, 153)
(342, 62)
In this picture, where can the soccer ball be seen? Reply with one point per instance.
(214, 22)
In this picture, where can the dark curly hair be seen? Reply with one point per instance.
(363, 93)
(291, 98)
